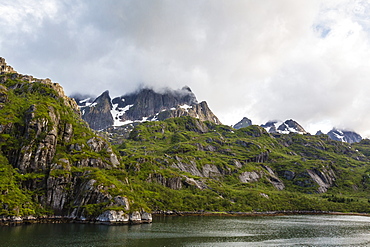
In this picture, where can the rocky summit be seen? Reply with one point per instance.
(143, 105)
(344, 135)
(289, 126)
(245, 122)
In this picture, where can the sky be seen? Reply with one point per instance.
(307, 60)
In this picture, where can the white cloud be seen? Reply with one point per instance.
(306, 60)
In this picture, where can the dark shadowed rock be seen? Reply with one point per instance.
(147, 102)
(98, 113)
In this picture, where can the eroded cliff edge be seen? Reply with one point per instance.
(52, 164)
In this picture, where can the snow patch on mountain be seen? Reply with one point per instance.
(286, 127)
(140, 106)
(344, 135)
(186, 107)
(117, 112)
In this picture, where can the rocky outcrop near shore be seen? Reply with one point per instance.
(109, 217)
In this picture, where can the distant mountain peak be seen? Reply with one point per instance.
(344, 135)
(319, 133)
(289, 126)
(245, 122)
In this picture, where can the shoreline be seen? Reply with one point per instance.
(18, 221)
(252, 214)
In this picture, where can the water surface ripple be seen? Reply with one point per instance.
(293, 230)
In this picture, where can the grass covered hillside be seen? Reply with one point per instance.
(51, 162)
(188, 165)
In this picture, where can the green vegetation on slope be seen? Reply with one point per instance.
(165, 157)
(49, 156)
(52, 163)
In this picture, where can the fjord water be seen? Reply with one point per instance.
(296, 230)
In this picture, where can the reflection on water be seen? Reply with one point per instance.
(300, 230)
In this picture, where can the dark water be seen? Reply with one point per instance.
(301, 230)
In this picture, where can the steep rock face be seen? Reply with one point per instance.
(200, 111)
(98, 113)
(143, 105)
(267, 172)
(344, 136)
(34, 156)
(52, 154)
(38, 152)
(146, 102)
(245, 122)
(174, 183)
(207, 171)
(323, 180)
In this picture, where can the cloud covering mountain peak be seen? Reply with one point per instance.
(306, 60)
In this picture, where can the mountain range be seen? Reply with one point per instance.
(142, 105)
(102, 112)
(175, 158)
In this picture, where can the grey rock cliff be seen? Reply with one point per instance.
(200, 111)
(291, 126)
(245, 122)
(147, 102)
(143, 105)
(98, 113)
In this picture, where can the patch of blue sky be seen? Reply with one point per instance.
(322, 30)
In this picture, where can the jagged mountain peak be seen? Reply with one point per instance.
(344, 135)
(103, 97)
(98, 113)
(286, 127)
(145, 104)
(291, 126)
